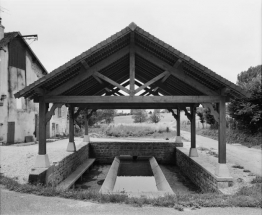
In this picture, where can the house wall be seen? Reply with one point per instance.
(3, 92)
(58, 123)
(20, 111)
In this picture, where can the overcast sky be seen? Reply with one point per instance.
(223, 35)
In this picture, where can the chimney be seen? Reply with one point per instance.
(1, 29)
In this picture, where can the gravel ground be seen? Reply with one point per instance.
(17, 161)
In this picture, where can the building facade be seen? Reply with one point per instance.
(19, 67)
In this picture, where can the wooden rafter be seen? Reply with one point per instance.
(178, 73)
(84, 74)
(112, 82)
(152, 81)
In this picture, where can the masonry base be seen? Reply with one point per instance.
(222, 171)
(178, 140)
(42, 161)
(193, 152)
(71, 147)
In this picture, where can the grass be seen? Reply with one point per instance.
(246, 197)
(140, 130)
(232, 136)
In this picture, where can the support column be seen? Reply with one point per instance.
(222, 169)
(86, 136)
(71, 144)
(178, 138)
(193, 150)
(42, 160)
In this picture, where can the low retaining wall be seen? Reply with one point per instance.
(198, 174)
(105, 152)
(59, 171)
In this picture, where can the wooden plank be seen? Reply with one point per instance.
(193, 126)
(151, 81)
(84, 74)
(112, 82)
(42, 126)
(72, 178)
(132, 64)
(178, 73)
(132, 99)
(222, 131)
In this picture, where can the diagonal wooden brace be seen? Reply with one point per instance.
(50, 113)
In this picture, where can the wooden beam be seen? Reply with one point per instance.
(132, 106)
(84, 74)
(151, 81)
(112, 82)
(50, 113)
(132, 99)
(132, 63)
(178, 73)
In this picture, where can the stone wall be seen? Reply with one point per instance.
(105, 152)
(198, 174)
(62, 169)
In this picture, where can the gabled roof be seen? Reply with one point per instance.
(9, 36)
(152, 57)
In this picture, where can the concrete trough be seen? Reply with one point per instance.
(163, 187)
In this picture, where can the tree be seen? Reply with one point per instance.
(248, 111)
(155, 116)
(200, 113)
(139, 115)
(106, 115)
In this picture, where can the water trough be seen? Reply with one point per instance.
(118, 179)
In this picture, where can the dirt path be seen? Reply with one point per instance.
(249, 158)
(20, 203)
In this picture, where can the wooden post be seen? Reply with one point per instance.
(178, 122)
(222, 169)
(193, 150)
(193, 126)
(71, 144)
(222, 131)
(86, 136)
(42, 126)
(42, 160)
(71, 124)
(132, 64)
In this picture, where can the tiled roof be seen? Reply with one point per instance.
(146, 70)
